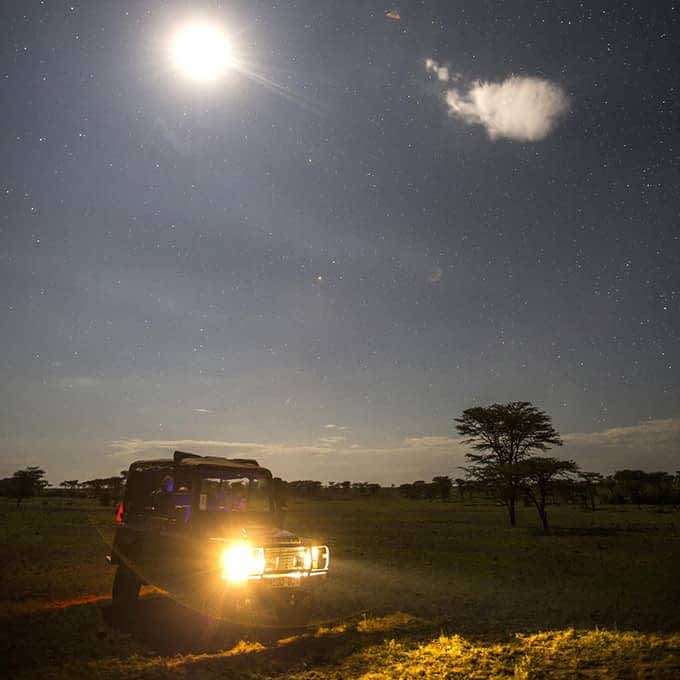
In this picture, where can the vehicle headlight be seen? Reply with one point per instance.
(319, 557)
(239, 561)
(307, 560)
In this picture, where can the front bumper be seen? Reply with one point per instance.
(274, 566)
(291, 579)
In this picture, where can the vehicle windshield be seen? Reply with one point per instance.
(234, 492)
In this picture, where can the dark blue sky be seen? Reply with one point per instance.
(320, 258)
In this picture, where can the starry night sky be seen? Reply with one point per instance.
(315, 260)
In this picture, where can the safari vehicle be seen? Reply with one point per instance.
(209, 531)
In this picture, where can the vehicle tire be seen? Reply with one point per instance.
(125, 592)
(293, 609)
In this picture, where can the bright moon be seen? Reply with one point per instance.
(201, 52)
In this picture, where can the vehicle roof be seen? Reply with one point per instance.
(151, 464)
(217, 461)
(196, 462)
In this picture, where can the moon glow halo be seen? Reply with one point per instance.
(201, 52)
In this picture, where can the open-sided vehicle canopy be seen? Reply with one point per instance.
(188, 484)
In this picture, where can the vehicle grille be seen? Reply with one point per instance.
(283, 559)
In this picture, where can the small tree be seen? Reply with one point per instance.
(373, 488)
(461, 485)
(443, 485)
(503, 436)
(540, 476)
(587, 488)
(70, 485)
(27, 483)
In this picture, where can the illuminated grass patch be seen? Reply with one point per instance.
(556, 654)
(385, 623)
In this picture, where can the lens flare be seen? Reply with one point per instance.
(239, 561)
(307, 561)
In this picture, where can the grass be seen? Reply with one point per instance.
(419, 589)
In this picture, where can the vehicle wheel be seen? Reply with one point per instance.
(293, 609)
(125, 592)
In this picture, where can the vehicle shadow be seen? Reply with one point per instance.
(166, 626)
(89, 638)
(51, 636)
(201, 646)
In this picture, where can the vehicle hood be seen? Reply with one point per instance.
(271, 536)
(259, 535)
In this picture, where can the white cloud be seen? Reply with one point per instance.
(431, 442)
(331, 441)
(519, 108)
(649, 445)
(647, 433)
(443, 73)
(141, 447)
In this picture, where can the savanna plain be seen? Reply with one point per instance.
(418, 588)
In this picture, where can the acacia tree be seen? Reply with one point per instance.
(503, 436)
(71, 485)
(443, 484)
(587, 488)
(540, 476)
(27, 483)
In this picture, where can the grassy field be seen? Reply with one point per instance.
(419, 589)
